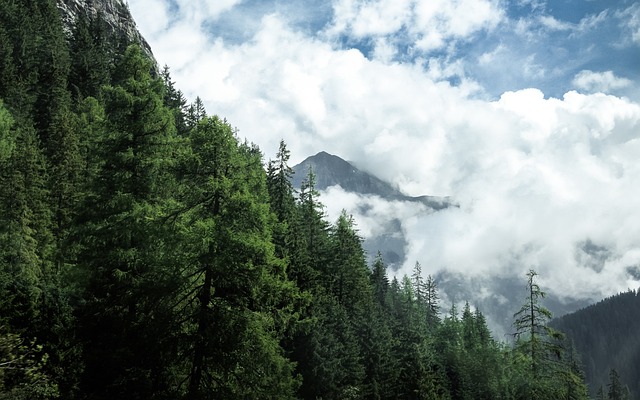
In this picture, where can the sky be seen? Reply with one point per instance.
(525, 112)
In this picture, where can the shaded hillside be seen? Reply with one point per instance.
(606, 334)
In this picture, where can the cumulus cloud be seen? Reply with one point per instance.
(599, 81)
(360, 18)
(536, 177)
(430, 25)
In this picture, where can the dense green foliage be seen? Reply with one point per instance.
(147, 253)
(606, 336)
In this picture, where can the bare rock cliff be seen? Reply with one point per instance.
(115, 13)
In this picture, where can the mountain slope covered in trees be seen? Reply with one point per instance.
(146, 252)
(606, 336)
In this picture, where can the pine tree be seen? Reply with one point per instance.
(334, 368)
(25, 230)
(380, 283)
(90, 56)
(310, 232)
(378, 346)
(346, 273)
(25, 257)
(538, 342)
(174, 99)
(432, 298)
(616, 390)
(195, 113)
(122, 320)
(7, 135)
(600, 394)
(235, 301)
(572, 375)
(282, 201)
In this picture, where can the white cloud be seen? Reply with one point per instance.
(599, 81)
(592, 21)
(384, 50)
(370, 18)
(534, 176)
(371, 213)
(151, 15)
(430, 25)
(203, 10)
(552, 23)
(488, 58)
(631, 21)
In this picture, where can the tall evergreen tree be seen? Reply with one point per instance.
(539, 343)
(282, 200)
(310, 234)
(380, 283)
(432, 299)
(236, 301)
(91, 58)
(195, 113)
(7, 134)
(125, 289)
(174, 99)
(26, 251)
(616, 390)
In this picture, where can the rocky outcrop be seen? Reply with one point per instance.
(115, 13)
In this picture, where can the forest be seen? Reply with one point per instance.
(606, 335)
(147, 252)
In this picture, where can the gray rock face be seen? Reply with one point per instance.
(332, 170)
(115, 13)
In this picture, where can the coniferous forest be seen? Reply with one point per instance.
(606, 335)
(147, 252)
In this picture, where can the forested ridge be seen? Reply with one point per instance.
(606, 335)
(149, 253)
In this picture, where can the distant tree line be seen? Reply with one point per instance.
(146, 252)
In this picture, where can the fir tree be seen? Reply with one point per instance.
(235, 301)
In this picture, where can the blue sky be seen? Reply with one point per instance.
(527, 112)
(502, 45)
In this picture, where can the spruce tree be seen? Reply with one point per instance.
(282, 200)
(91, 58)
(7, 134)
(122, 319)
(235, 301)
(538, 342)
(615, 389)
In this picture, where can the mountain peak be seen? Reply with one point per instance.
(331, 170)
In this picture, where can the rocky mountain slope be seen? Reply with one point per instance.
(331, 170)
(115, 13)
